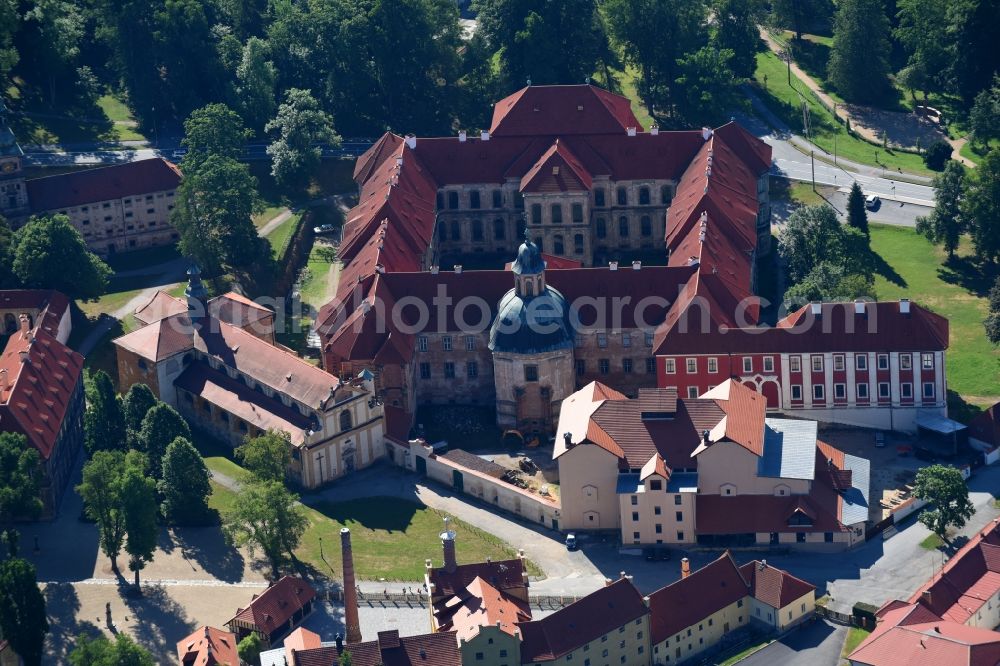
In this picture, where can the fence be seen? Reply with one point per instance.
(418, 599)
(845, 619)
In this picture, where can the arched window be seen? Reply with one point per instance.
(647, 225)
(623, 226)
(557, 245)
(577, 213)
(644, 196)
(529, 288)
(456, 230)
(345, 420)
(578, 243)
(536, 213)
(666, 195)
(622, 196)
(499, 229)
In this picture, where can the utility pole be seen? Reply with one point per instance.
(812, 162)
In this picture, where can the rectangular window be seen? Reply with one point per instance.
(599, 197)
(883, 361)
(635, 515)
(883, 390)
(602, 340)
(840, 391)
(422, 343)
(862, 391)
(838, 362)
(531, 373)
(691, 365)
(627, 365)
(656, 510)
(446, 343)
(817, 363)
(470, 343)
(905, 361)
(659, 528)
(679, 515)
(795, 363)
(680, 536)
(498, 198)
(713, 365)
(650, 366)
(796, 392)
(747, 364)
(626, 340)
(634, 500)
(472, 369)
(449, 370)
(453, 200)
(536, 213)
(927, 361)
(604, 366)
(677, 500)
(474, 199)
(817, 391)
(425, 370)
(928, 389)
(556, 213)
(670, 366)
(577, 209)
(861, 362)
(768, 364)
(692, 392)
(906, 390)
(581, 367)
(622, 196)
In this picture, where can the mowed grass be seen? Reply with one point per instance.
(784, 100)
(266, 215)
(316, 288)
(120, 116)
(855, 636)
(956, 291)
(281, 235)
(932, 542)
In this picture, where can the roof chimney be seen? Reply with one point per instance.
(448, 545)
(567, 436)
(613, 265)
(704, 436)
(904, 306)
(399, 161)
(411, 141)
(340, 642)
(706, 133)
(25, 323)
(636, 265)
(816, 308)
(458, 268)
(927, 598)
(859, 306)
(462, 136)
(630, 130)
(484, 135)
(685, 567)
(654, 130)
(434, 269)
(351, 621)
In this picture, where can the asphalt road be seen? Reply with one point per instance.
(816, 644)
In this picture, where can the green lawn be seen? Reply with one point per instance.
(119, 114)
(916, 269)
(977, 154)
(746, 652)
(266, 215)
(784, 100)
(316, 281)
(932, 542)
(855, 636)
(281, 236)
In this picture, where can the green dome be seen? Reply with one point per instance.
(531, 326)
(529, 259)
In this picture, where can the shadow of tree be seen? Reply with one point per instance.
(62, 606)
(959, 409)
(968, 273)
(207, 547)
(390, 517)
(881, 267)
(159, 621)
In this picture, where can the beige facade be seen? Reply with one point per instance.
(704, 634)
(454, 368)
(726, 468)
(491, 646)
(629, 644)
(532, 405)
(783, 619)
(123, 225)
(655, 515)
(588, 476)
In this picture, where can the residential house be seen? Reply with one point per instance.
(305, 648)
(275, 612)
(208, 646)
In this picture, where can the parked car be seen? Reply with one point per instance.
(324, 229)
(872, 202)
(571, 542)
(879, 439)
(663, 554)
(649, 553)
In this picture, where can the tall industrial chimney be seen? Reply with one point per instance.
(448, 544)
(351, 621)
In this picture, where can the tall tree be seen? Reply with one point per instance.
(943, 487)
(859, 59)
(135, 405)
(737, 30)
(215, 203)
(100, 651)
(103, 422)
(49, 43)
(301, 125)
(8, 28)
(50, 254)
(981, 207)
(19, 479)
(101, 493)
(7, 279)
(22, 610)
(811, 236)
(214, 129)
(992, 321)
(829, 281)
(256, 81)
(161, 426)
(267, 457)
(944, 225)
(138, 501)
(266, 516)
(857, 214)
(541, 40)
(801, 16)
(653, 36)
(984, 118)
(973, 51)
(184, 487)
(708, 89)
(922, 31)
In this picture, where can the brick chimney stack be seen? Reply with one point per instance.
(685, 567)
(351, 621)
(448, 544)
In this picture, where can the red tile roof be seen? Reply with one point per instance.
(594, 615)
(438, 649)
(51, 305)
(159, 306)
(237, 309)
(480, 605)
(38, 379)
(557, 170)
(208, 646)
(562, 110)
(692, 599)
(102, 184)
(504, 575)
(276, 605)
(745, 411)
(986, 426)
(773, 586)
(387, 145)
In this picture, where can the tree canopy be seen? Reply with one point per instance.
(857, 213)
(266, 457)
(138, 500)
(101, 493)
(980, 207)
(123, 651)
(135, 405)
(48, 253)
(265, 516)
(945, 225)
(943, 487)
(184, 486)
(859, 59)
(19, 479)
(103, 422)
(22, 610)
(160, 426)
(300, 126)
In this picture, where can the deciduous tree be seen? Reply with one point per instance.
(981, 207)
(300, 125)
(138, 501)
(944, 225)
(19, 479)
(214, 129)
(256, 81)
(944, 488)
(266, 457)
(103, 422)
(810, 237)
(100, 651)
(184, 487)
(707, 87)
(250, 648)
(992, 322)
(22, 610)
(50, 254)
(737, 30)
(101, 493)
(922, 31)
(266, 516)
(135, 405)
(161, 426)
(984, 119)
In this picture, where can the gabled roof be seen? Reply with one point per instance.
(102, 184)
(390, 649)
(592, 616)
(50, 305)
(503, 575)
(744, 420)
(557, 170)
(480, 605)
(986, 426)
(237, 309)
(562, 110)
(655, 465)
(387, 145)
(208, 646)
(789, 449)
(159, 306)
(275, 606)
(775, 587)
(38, 378)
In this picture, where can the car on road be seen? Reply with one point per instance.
(324, 229)
(571, 542)
(872, 202)
(879, 439)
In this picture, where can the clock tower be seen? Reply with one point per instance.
(13, 193)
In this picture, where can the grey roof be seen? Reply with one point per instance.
(789, 449)
(855, 504)
(531, 325)
(683, 482)
(937, 423)
(629, 484)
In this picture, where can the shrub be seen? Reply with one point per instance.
(937, 155)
